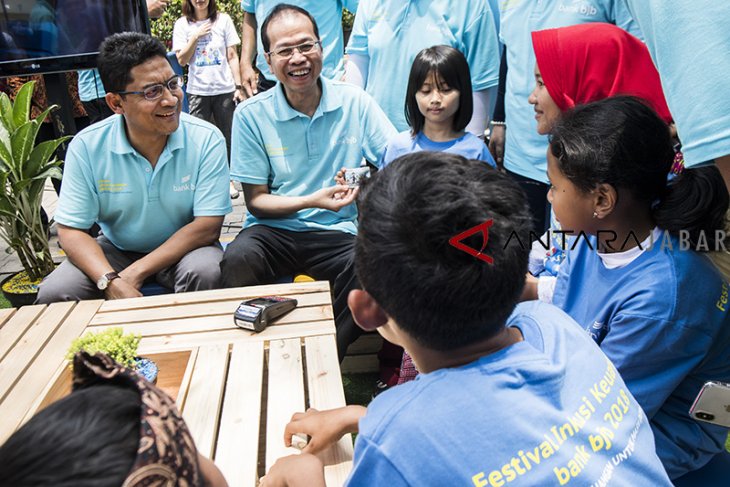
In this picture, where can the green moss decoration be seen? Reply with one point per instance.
(113, 342)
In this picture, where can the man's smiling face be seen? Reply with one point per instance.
(300, 72)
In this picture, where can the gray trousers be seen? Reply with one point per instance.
(196, 271)
(216, 109)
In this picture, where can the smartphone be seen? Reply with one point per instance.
(713, 404)
(353, 177)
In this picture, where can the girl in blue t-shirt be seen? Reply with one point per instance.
(438, 107)
(634, 279)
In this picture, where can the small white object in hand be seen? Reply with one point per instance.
(299, 441)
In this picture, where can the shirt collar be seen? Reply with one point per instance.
(330, 101)
(120, 141)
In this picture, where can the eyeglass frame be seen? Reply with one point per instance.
(295, 48)
(164, 85)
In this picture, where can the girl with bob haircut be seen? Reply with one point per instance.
(438, 107)
(653, 305)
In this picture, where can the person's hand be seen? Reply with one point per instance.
(340, 177)
(496, 144)
(238, 96)
(306, 470)
(333, 198)
(248, 80)
(119, 288)
(155, 8)
(324, 428)
(203, 29)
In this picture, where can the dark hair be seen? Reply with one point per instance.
(278, 11)
(621, 141)
(450, 64)
(441, 296)
(121, 52)
(87, 439)
(189, 11)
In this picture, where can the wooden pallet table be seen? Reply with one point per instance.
(236, 389)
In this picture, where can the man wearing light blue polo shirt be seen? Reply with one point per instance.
(154, 180)
(288, 145)
(327, 13)
(524, 149)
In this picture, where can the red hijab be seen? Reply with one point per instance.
(590, 62)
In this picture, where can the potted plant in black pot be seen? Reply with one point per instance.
(24, 167)
(119, 347)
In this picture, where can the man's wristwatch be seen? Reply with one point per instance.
(104, 280)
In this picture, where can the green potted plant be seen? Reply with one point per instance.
(120, 348)
(24, 167)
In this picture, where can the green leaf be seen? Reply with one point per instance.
(6, 155)
(22, 142)
(41, 154)
(6, 112)
(52, 172)
(21, 107)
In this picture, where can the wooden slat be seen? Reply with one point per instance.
(187, 376)
(30, 345)
(326, 392)
(18, 402)
(238, 436)
(189, 340)
(202, 405)
(285, 395)
(14, 328)
(210, 322)
(239, 293)
(5, 315)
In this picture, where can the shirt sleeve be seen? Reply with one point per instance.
(249, 160)
(481, 49)
(249, 6)
(78, 205)
(377, 129)
(232, 38)
(211, 189)
(622, 18)
(486, 156)
(372, 467)
(358, 43)
(350, 5)
(179, 34)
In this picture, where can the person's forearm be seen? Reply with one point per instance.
(480, 114)
(266, 205)
(248, 38)
(234, 65)
(200, 232)
(84, 252)
(186, 53)
(356, 70)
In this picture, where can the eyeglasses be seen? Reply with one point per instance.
(303, 48)
(154, 92)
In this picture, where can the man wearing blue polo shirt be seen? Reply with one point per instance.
(155, 181)
(288, 144)
(328, 15)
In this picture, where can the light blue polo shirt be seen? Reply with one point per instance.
(689, 43)
(525, 150)
(327, 14)
(296, 155)
(138, 208)
(392, 32)
(90, 85)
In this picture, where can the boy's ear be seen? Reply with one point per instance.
(115, 102)
(606, 198)
(367, 312)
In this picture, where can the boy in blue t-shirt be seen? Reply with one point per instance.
(506, 395)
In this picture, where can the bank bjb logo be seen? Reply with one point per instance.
(457, 241)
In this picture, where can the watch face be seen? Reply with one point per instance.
(102, 283)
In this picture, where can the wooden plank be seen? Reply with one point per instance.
(14, 328)
(238, 436)
(190, 340)
(5, 315)
(326, 392)
(285, 395)
(238, 293)
(185, 383)
(202, 405)
(17, 403)
(314, 304)
(30, 345)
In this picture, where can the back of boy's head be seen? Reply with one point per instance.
(87, 439)
(121, 52)
(621, 141)
(453, 68)
(440, 295)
